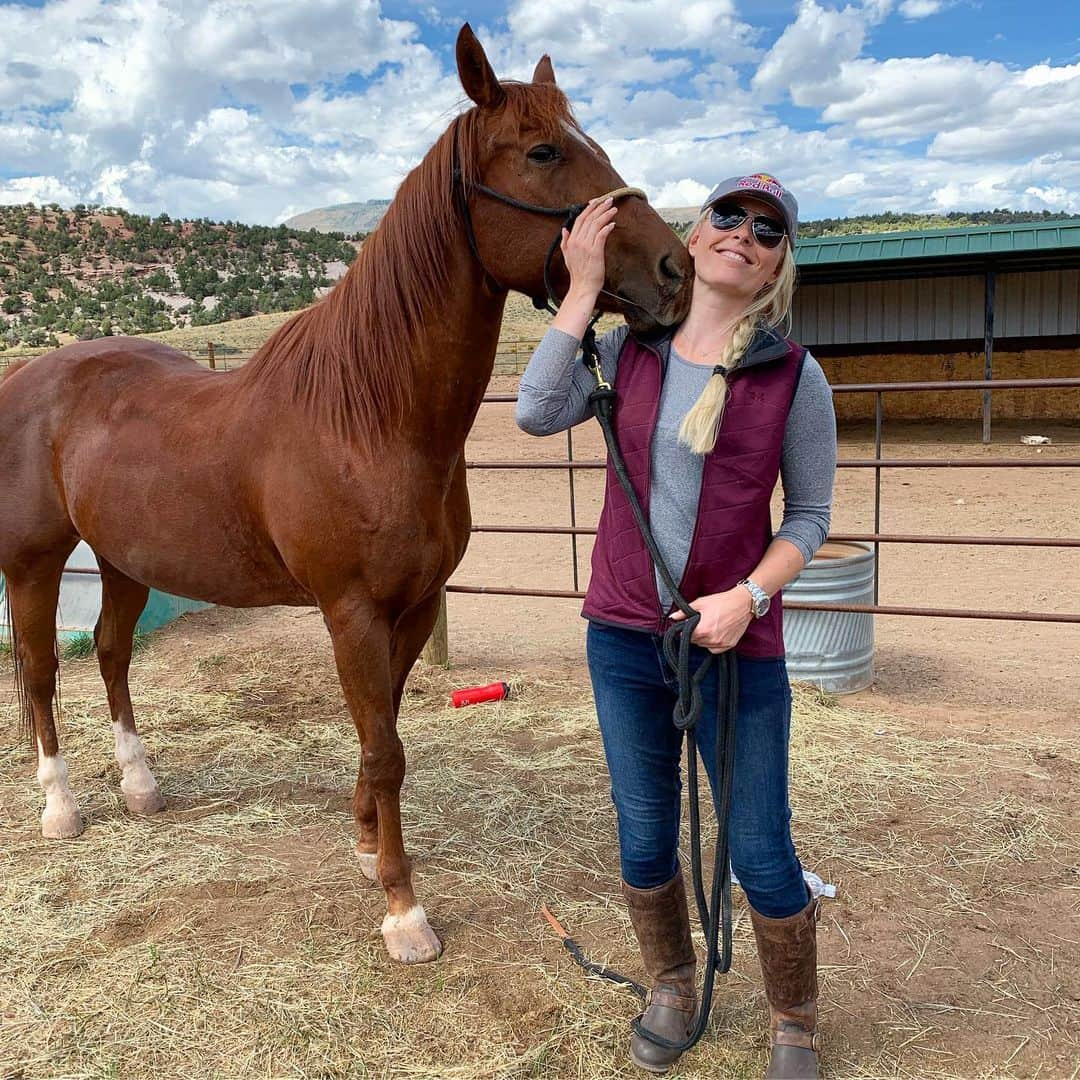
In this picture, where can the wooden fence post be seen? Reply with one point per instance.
(210, 355)
(437, 650)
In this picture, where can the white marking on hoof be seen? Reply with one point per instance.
(137, 783)
(368, 864)
(409, 939)
(60, 820)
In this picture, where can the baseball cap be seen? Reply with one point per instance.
(764, 187)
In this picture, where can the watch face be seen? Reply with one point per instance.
(761, 606)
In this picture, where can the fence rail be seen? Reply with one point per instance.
(864, 609)
(892, 538)
(851, 463)
(878, 463)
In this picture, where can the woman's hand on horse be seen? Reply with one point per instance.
(724, 619)
(583, 247)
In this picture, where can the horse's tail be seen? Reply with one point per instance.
(8, 634)
(7, 627)
(10, 638)
(23, 699)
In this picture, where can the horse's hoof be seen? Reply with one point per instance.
(61, 820)
(144, 802)
(409, 939)
(368, 864)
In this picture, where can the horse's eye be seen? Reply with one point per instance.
(544, 154)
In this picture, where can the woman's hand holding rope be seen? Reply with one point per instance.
(724, 619)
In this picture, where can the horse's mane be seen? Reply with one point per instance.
(348, 358)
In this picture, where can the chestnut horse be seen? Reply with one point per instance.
(330, 469)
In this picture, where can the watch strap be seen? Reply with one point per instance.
(759, 597)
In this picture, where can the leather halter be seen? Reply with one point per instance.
(569, 214)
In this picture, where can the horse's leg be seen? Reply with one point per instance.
(362, 650)
(32, 599)
(122, 602)
(366, 814)
(407, 641)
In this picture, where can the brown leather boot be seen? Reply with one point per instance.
(787, 949)
(662, 925)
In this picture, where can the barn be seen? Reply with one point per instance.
(983, 302)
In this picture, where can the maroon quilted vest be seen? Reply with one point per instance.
(734, 522)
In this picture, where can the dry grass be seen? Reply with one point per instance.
(243, 335)
(233, 935)
(521, 322)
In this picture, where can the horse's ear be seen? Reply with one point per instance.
(544, 72)
(476, 74)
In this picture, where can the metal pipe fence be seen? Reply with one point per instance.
(876, 538)
(219, 360)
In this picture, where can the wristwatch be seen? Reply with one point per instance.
(759, 598)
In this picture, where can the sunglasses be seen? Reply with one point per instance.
(768, 231)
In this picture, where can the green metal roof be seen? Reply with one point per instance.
(972, 241)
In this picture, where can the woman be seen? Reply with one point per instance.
(707, 418)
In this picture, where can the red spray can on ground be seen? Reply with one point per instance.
(473, 695)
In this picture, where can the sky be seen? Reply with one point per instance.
(255, 110)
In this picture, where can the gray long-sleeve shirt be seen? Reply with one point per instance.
(554, 395)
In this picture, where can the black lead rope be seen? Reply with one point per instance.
(714, 913)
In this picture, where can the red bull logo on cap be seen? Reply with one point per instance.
(763, 182)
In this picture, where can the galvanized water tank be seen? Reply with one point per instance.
(833, 650)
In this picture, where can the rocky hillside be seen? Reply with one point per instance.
(92, 271)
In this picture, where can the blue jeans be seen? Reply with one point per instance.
(635, 692)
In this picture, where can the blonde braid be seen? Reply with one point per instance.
(772, 307)
(701, 424)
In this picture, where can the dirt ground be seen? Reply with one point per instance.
(232, 935)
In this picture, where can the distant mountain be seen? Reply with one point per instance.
(362, 217)
(679, 216)
(348, 218)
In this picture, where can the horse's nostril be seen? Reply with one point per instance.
(669, 268)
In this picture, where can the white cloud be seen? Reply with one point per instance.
(1052, 198)
(683, 192)
(920, 9)
(852, 183)
(903, 99)
(37, 189)
(597, 33)
(402, 113)
(967, 109)
(188, 106)
(146, 97)
(597, 45)
(1024, 114)
(807, 60)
